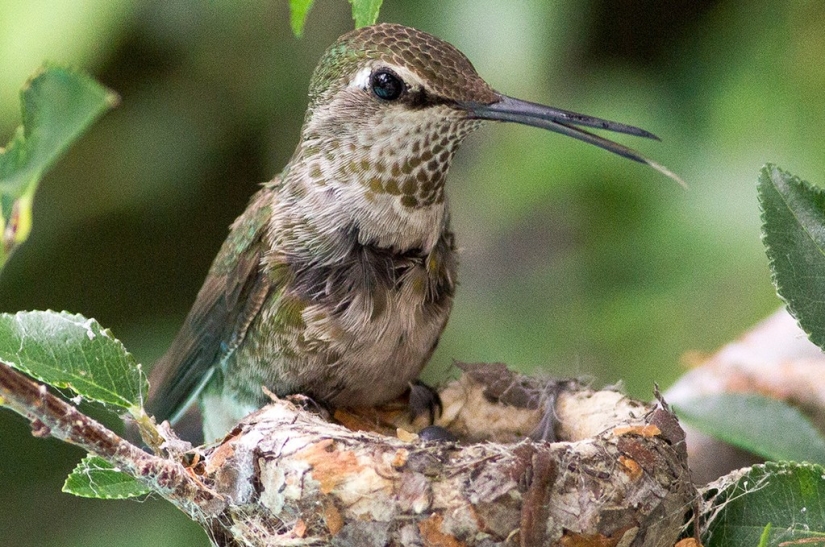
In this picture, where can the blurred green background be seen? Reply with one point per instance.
(575, 261)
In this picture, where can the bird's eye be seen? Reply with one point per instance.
(386, 85)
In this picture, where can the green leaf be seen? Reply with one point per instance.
(766, 535)
(767, 427)
(57, 105)
(365, 12)
(770, 504)
(793, 230)
(94, 477)
(298, 11)
(70, 351)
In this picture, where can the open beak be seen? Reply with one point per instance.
(508, 109)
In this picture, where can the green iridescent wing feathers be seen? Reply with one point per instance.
(229, 300)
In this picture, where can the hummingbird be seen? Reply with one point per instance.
(337, 280)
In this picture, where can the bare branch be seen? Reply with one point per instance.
(51, 416)
(774, 358)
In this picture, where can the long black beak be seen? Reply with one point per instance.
(508, 109)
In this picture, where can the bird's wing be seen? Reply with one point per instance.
(231, 297)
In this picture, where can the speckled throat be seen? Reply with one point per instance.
(396, 154)
(383, 172)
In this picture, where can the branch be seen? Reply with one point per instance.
(774, 358)
(52, 416)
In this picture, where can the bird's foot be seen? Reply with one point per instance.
(309, 404)
(424, 404)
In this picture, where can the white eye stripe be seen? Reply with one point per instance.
(361, 80)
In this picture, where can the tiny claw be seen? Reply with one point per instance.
(436, 433)
(424, 400)
(309, 404)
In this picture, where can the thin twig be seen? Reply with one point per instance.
(51, 416)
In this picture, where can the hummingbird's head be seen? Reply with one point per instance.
(384, 107)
